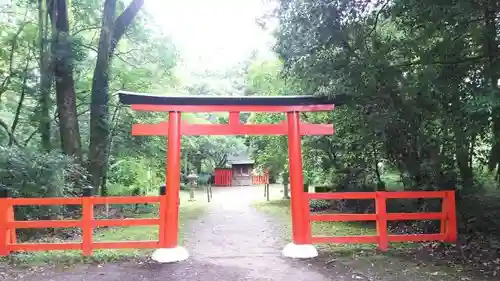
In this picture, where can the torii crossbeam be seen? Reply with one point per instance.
(174, 129)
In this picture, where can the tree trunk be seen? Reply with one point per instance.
(46, 78)
(462, 156)
(111, 33)
(99, 127)
(490, 47)
(15, 122)
(65, 84)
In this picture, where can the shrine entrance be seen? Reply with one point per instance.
(174, 128)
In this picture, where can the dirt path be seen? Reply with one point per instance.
(232, 242)
(244, 244)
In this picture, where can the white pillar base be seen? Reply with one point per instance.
(299, 251)
(169, 255)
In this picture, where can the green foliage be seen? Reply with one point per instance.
(30, 173)
(417, 98)
(319, 205)
(130, 174)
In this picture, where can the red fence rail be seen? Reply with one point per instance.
(447, 216)
(87, 223)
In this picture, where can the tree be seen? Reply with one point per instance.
(417, 76)
(46, 76)
(63, 74)
(112, 31)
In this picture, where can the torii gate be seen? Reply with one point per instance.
(174, 129)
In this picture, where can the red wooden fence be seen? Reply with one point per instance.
(223, 177)
(256, 180)
(260, 179)
(447, 216)
(87, 223)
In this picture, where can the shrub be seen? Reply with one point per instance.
(129, 175)
(28, 172)
(319, 205)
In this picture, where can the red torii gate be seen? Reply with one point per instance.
(174, 129)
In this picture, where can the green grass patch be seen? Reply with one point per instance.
(400, 263)
(281, 209)
(392, 181)
(188, 212)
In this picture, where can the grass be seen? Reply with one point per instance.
(392, 181)
(188, 212)
(402, 262)
(281, 210)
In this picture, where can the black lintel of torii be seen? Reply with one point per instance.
(129, 98)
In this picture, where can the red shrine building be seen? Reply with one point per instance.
(239, 171)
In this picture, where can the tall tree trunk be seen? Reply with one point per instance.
(65, 84)
(111, 32)
(99, 127)
(490, 47)
(46, 77)
(462, 148)
(15, 122)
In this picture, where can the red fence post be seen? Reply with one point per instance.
(381, 212)
(173, 179)
(443, 222)
(163, 214)
(87, 218)
(451, 218)
(11, 218)
(4, 217)
(299, 225)
(307, 219)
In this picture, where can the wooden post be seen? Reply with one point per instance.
(451, 214)
(87, 218)
(234, 118)
(209, 186)
(266, 186)
(163, 215)
(4, 218)
(11, 218)
(307, 219)
(381, 212)
(299, 225)
(173, 180)
(444, 220)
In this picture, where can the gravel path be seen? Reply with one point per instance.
(231, 242)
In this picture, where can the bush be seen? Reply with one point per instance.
(323, 188)
(30, 173)
(129, 175)
(319, 205)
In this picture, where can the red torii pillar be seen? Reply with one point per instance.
(300, 247)
(299, 225)
(173, 179)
